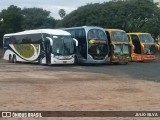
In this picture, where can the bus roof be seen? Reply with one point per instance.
(110, 30)
(49, 31)
(137, 33)
(85, 27)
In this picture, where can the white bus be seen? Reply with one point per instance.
(43, 46)
(92, 44)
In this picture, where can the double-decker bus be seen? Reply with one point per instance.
(43, 46)
(119, 46)
(92, 44)
(144, 48)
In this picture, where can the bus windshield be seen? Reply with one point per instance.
(147, 38)
(62, 45)
(96, 34)
(119, 36)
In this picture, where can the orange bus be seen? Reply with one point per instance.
(143, 47)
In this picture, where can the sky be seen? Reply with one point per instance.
(51, 5)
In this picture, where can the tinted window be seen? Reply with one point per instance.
(135, 38)
(72, 32)
(7, 40)
(119, 36)
(128, 37)
(146, 38)
(35, 38)
(22, 39)
(96, 34)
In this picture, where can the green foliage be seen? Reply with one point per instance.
(132, 16)
(10, 21)
(62, 13)
(35, 18)
(85, 15)
(13, 19)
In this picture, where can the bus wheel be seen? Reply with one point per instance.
(40, 61)
(49, 63)
(14, 60)
(75, 60)
(10, 58)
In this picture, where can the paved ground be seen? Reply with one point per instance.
(68, 87)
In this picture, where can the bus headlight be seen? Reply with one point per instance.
(114, 46)
(115, 57)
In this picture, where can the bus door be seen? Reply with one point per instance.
(48, 51)
(136, 43)
(111, 47)
(82, 43)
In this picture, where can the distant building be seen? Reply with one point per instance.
(155, 1)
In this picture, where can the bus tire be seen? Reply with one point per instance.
(40, 61)
(14, 59)
(49, 63)
(75, 60)
(10, 58)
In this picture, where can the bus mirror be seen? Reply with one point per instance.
(75, 41)
(50, 40)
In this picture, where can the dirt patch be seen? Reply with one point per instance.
(34, 89)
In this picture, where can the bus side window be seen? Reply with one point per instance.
(26, 40)
(134, 38)
(81, 37)
(35, 38)
(128, 38)
(19, 39)
(136, 43)
(72, 33)
(7, 41)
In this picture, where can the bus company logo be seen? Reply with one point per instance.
(21, 114)
(6, 114)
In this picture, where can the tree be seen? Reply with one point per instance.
(85, 15)
(62, 13)
(35, 18)
(131, 16)
(11, 20)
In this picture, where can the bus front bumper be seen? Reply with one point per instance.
(120, 59)
(64, 61)
(140, 57)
